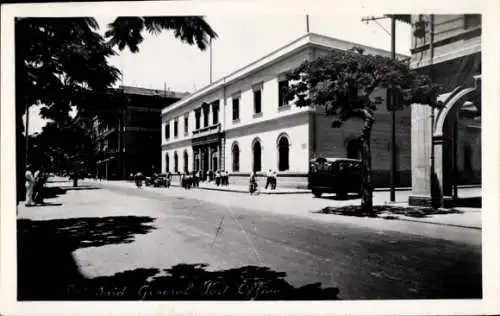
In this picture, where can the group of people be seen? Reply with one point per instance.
(190, 180)
(34, 184)
(271, 179)
(222, 178)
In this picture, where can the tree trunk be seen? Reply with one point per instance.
(366, 171)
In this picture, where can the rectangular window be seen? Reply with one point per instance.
(176, 125)
(236, 109)
(215, 112)
(197, 115)
(282, 90)
(257, 101)
(167, 131)
(472, 20)
(186, 125)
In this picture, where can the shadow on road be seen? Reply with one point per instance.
(48, 271)
(341, 198)
(386, 211)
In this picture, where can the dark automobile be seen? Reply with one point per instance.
(334, 175)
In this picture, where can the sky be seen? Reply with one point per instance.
(163, 61)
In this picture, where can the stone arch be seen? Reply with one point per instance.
(235, 156)
(257, 155)
(445, 141)
(176, 162)
(186, 160)
(283, 145)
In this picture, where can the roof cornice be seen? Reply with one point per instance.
(309, 39)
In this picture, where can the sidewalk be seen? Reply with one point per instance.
(303, 204)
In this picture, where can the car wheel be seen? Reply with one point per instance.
(317, 193)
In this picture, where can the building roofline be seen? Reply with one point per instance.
(152, 92)
(309, 39)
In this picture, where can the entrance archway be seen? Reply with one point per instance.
(450, 134)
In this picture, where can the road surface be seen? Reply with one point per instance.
(122, 228)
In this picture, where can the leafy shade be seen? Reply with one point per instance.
(128, 31)
(59, 59)
(345, 82)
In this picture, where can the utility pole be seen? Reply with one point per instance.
(392, 99)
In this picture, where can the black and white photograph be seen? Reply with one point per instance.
(200, 155)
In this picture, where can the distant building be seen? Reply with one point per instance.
(130, 144)
(242, 123)
(446, 151)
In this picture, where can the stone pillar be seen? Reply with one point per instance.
(209, 167)
(421, 142)
(222, 153)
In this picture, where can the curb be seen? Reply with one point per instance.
(246, 191)
(440, 224)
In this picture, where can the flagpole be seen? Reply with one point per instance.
(210, 59)
(307, 23)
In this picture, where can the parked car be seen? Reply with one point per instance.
(334, 175)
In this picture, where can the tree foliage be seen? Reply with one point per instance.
(128, 31)
(345, 82)
(62, 144)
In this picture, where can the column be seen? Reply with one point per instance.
(209, 158)
(421, 140)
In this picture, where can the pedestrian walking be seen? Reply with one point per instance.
(138, 179)
(252, 183)
(39, 185)
(30, 185)
(196, 178)
(269, 175)
(274, 180)
(168, 179)
(217, 178)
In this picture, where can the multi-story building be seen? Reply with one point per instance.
(446, 144)
(130, 145)
(243, 123)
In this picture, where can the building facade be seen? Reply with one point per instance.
(446, 143)
(242, 123)
(130, 144)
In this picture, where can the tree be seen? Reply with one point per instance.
(127, 31)
(62, 62)
(344, 83)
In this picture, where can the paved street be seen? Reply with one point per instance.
(117, 227)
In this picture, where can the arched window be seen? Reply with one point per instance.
(186, 169)
(353, 149)
(167, 163)
(176, 162)
(283, 153)
(236, 157)
(257, 159)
